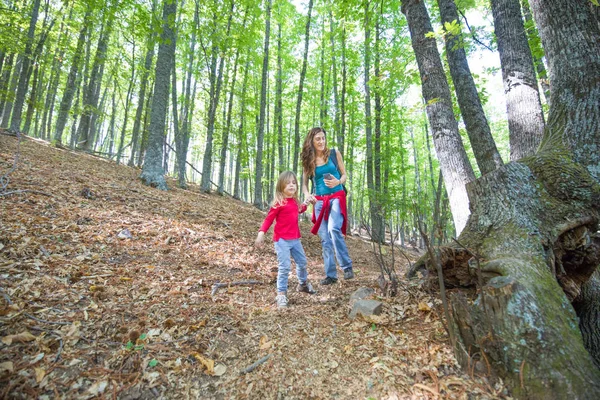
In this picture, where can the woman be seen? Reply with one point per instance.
(329, 211)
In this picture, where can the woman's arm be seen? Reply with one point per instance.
(341, 168)
(305, 185)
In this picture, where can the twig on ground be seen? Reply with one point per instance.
(25, 191)
(95, 276)
(256, 364)
(217, 286)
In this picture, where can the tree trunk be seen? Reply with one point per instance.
(258, 200)
(85, 130)
(336, 106)
(137, 122)
(71, 87)
(376, 196)
(301, 88)
(454, 163)
(216, 79)
(279, 102)
(10, 95)
(241, 149)
(15, 121)
(152, 171)
(538, 62)
(535, 256)
(525, 115)
(484, 148)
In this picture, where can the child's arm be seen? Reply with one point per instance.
(303, 207)
(260, 240)
(265, 226)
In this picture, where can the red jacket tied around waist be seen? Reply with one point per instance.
(327, 199)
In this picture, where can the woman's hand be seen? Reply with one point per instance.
(331, 183)
(259, 242)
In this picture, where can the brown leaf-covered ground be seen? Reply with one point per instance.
(85, 313)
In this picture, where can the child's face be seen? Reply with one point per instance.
(290, 188)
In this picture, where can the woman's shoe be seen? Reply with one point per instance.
(329, 281)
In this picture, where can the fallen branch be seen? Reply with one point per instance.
(218, 285)
(256, 364)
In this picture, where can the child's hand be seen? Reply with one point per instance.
(259, 243)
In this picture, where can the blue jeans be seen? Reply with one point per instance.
(332, 239)
(285, 249)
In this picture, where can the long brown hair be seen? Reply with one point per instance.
(308, 154)
(284, 178)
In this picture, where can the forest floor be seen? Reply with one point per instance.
(106, 291)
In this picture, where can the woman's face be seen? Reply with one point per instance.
(319, 141)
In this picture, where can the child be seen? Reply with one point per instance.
(286, 235)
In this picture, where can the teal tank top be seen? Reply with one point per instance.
(321, 188)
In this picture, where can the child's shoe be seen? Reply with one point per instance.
(282, 300)
(305, 287)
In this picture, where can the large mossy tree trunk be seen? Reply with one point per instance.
(533, 234)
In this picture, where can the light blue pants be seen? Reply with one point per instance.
(332, 239)
(285, 249)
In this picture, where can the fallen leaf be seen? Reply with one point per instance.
(265, 343)
(21, 338)
(6, 366)
(206, 362)
(98, 388)
(220, 369)
(424, 307)
(40, 373)
(37, 358)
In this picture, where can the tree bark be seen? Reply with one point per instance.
(15, 121)
(301, 88)
(454, 163)
(258, 200)
(484, 148)
(523, 106)
(533, 235)
(137, 122)
(152, 171)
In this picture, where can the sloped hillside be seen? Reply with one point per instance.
(107, 291)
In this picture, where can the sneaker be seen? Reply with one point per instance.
(328, 281)
(348, 274)
(282, 300)
(305, 287)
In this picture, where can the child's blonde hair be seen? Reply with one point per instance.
(282, 182)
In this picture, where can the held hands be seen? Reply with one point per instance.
(259, 242)
(310, 199)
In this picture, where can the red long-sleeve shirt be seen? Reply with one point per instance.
(286, 220)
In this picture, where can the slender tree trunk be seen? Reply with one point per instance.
(336, 106)
(85, 130)
(525, 115)
(240, 159)
(182, 140)
(533, 35)
(451, 153)
(15, 122)
(152, 171)
(71, 87)
(10, 95)
(301, 88)
(258, 200)
(137, 122)
(4, 82)
(127, 107)
(216, 80)
(484, 148)
(279, 102)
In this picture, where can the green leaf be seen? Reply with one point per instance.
(129, 345)
(595, 2)
(153, 363)
(373, 326)
(143, 336)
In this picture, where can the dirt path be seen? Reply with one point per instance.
(107, 286)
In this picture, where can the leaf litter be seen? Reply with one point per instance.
(107, 291)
